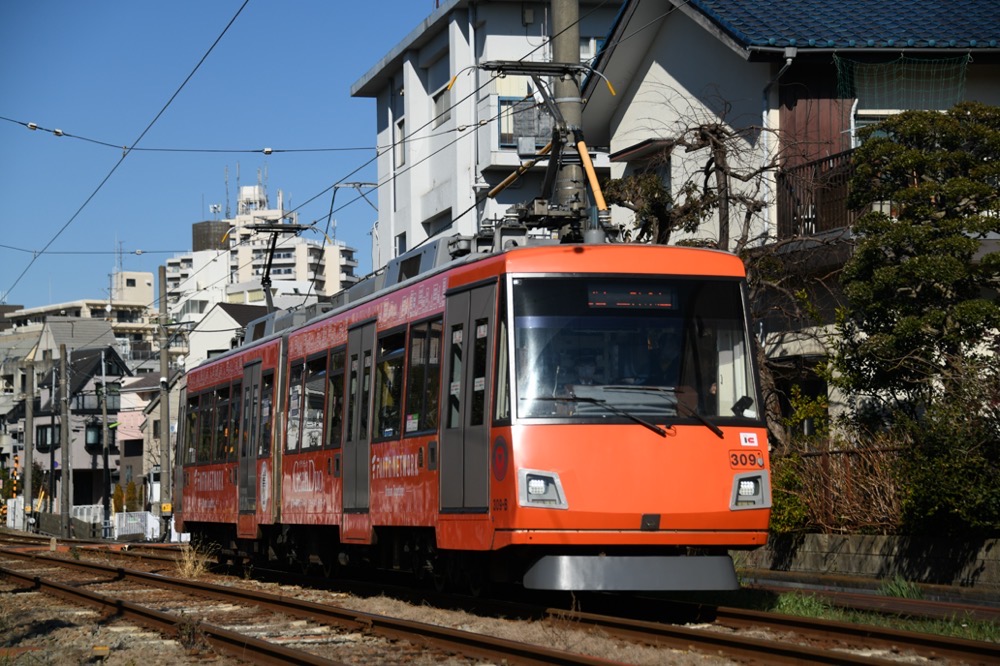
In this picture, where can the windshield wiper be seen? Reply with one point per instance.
(680, 405)
(606, 405)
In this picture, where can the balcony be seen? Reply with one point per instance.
(812, 197)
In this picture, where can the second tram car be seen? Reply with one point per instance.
(573, 417)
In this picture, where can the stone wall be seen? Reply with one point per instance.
(929, 561)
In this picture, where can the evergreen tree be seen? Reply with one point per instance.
(920, 285)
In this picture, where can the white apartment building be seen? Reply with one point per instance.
(453, 129)
(130, 309)
(230, 257)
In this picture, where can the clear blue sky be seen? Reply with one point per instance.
(102, 70)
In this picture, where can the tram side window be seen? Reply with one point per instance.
(206, 427)
(455, 380)
(366, 391)
(191, 429)
(479, 360)
(234, 424)
(389, 385)
(266, 411)
(221, 441)
(335, 400)
(352, 392)
(249, 396)
(501, 411)
(294, 407)
(423, 377)
(314, 397)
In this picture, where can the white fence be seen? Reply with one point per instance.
(132, 524)
(15, 513)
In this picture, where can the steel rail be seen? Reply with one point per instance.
(237, 645)
(430, 635)
(931, 645)
(755, 649)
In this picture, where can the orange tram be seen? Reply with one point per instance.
(563, 416)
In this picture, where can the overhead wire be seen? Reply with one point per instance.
(127, 151)
(379, 152)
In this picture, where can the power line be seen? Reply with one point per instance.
(128, 150)
(263, 151)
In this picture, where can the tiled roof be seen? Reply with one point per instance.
(857, 24)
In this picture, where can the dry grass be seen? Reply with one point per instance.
(194, 562)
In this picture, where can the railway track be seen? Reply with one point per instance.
(734, 635)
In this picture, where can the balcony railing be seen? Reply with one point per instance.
(812, 197)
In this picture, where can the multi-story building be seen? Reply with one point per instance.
(454, 129)
(129, 309)
(230, 257)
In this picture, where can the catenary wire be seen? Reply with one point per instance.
(128, 150)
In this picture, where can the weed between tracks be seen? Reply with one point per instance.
(194, 562)
(900, 588)
(814, 606)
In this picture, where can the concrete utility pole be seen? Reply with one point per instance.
(29, 436)
(104, 449)
(65, 473)
(166, 476)
(570, 190)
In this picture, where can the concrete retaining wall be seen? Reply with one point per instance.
(934, 562)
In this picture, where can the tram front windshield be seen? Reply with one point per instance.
(611, 349)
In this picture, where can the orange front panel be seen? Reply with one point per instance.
(613, 475)
(631, 538)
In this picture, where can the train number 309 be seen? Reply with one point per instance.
(744, 459)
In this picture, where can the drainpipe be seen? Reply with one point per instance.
(790, 53)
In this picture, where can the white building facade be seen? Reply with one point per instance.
(448, 131)
(230, 259)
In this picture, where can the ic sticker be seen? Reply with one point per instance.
(748, 439)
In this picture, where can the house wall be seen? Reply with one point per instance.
(214, 332)
(688, 78)
(447, 166)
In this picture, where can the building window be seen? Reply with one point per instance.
(399, 143)
(438, 77)
(520, 117)
(129, 282)
(401, 244)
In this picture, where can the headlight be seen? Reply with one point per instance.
(751, 490)
(540, 489)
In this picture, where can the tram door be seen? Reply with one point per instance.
(357, 442)
(247, 465)
(469, 318)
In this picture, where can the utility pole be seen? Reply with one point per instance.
(64, 487)
(567, 208)
(29, 437)
(104, 448)
(166, 475)
(570, 191)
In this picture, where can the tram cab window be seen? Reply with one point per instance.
(389, 385)
(657, 348)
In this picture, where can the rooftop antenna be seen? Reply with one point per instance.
(228, 216)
